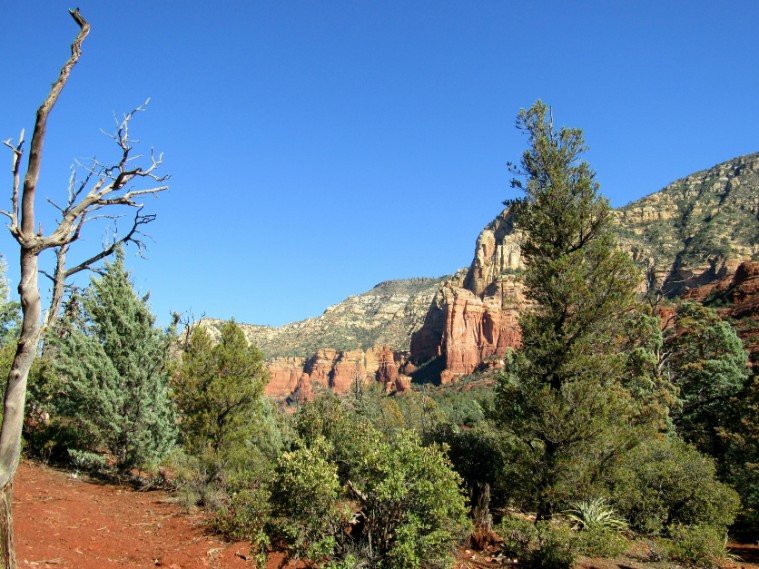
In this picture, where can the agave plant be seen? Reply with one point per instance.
(595, 514)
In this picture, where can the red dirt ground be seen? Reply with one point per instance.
(63, 521)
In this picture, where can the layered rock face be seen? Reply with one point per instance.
(385, 315)
(695, 230)
(698, 229)
(475, 316)
(337, 371)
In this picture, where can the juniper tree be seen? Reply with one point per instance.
(709, 366)
(219, 392)
(113, 364)
(562, 394)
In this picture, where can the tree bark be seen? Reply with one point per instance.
(31, 245)
(7, 550)
(108, 189)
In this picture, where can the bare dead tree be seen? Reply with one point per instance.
(103, 187)
(94, 171)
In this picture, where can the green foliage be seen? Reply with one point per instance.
(230, 434)
(554, 548)
(412, 502)
(406, 495)
(543, 545)
(740, 465)
(555, 544)
(218, 390)
(563, 394)
(112, 365)
(463, 407)
(518, 535)
(708, 365)
(486, 455)
(600, 542)
(699, 545)
(666, 482)
(305, 493)
(594, 514)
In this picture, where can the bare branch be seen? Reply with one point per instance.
(62, 274)
(17, 154)
(40, 127)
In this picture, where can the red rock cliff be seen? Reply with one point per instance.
(474, 317)
(337, 371)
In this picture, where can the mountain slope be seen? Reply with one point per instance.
(692, 232)
(386, 315)
(698, 228)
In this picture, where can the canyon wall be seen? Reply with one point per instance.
(695, 231)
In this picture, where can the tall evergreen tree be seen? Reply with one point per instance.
(709, 366)
(562, 394)
(218, 390)
(114, 365)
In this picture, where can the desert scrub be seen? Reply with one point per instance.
(595, 514)
(667, 482)
(306, 516)
(545, 545)
(698, 545)
(600, 542)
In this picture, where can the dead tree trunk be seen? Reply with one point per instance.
(107, 190)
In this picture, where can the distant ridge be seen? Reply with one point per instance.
(385, 315)
(693, 232)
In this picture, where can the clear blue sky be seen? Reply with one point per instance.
(319, 147)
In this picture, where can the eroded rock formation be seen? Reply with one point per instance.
(337, 371)
(695, 231)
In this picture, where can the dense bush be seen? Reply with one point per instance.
(305, 494)
(600, 542)
(544, 545)
(666, 482)
(404, 507)
(699, 545)
(106, 387)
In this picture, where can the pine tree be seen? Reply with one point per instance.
(562, 394)
(114, 365)
(709, 366)
(218, 390)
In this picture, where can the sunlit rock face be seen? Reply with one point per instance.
(696, 231)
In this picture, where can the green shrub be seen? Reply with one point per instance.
(544, 545)
(413, 504)
(696, 545)
(304, 496)
(518, 536)
(666, 482)
(600, 542)
(244, 514)
(555, 548)
(87, 461)
(407, 495)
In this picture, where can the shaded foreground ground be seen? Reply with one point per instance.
(63, 521)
